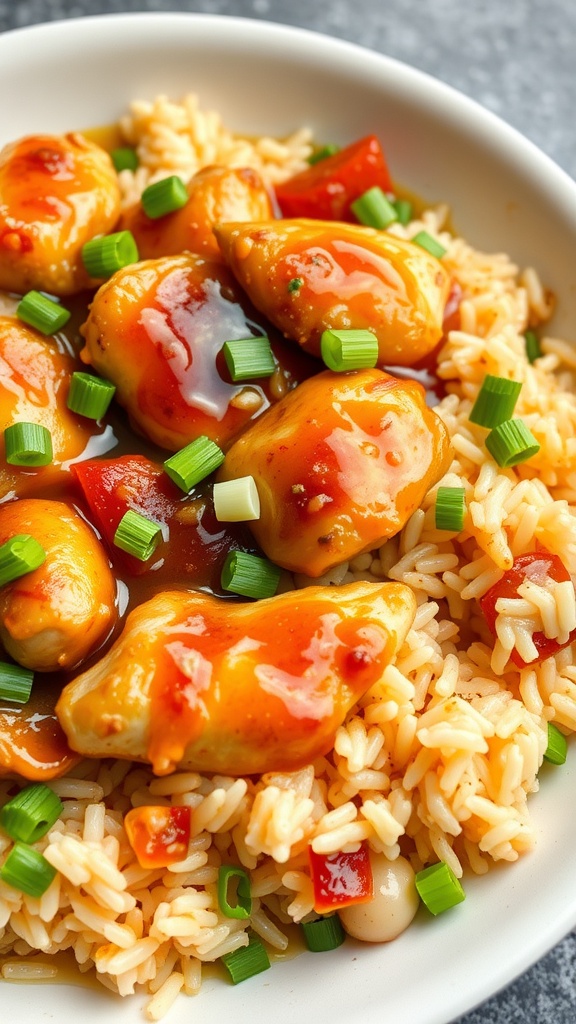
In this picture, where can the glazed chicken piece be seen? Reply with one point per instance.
(56, 193)
(215, 686)
(156, 330)
(309, 275)
(216, 195)
(340, 464)
(53, 617)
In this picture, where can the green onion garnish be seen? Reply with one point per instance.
(125, 158)
(323, 934)
(247, 358)
(15, 682)
(19, 555)
(349, 349)
(295, 284)
(90, 396)
(242, 908)
(438, 888)
(533, 350)
(374, 209)
(495, 401)
(323, 152)
(27, 870)
(450, 508)
(28, 444)
(164, 197)
(29, 815)
(249, 575)
(247, 961)
(557, 748)
(103, 256)
(137, 535)
(236, 501)
(511, 442)
(194, 462)
(404, 211)
(42, 313)
(425, 241)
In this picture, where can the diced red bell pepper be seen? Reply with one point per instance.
(158, 835)
(325, 190)
(341, 879)
(538, 567)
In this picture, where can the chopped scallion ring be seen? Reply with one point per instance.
(247, 961)
(248, 358)
(29, 814)
(249, 575)
(349, 349)
(242, 908)
(124, 158)
(137, 535)
(511, 442)
(295, 284)
(438, 888)
(194, 463)
(27, 870)
(404, 211)
(103, 256)
(533, 349)
(164, 196)
(450, 508)
(15, 683)
(426, 241)
(19, 555)
(42, 313)
(557, 748)
(28, 444)
(373, 209)
(495, 401)
(320, 154)
(89, 395)
(323, 934)
(236, 501)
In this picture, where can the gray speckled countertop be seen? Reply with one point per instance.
(516, 57)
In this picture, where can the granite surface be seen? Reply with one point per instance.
(516, 57)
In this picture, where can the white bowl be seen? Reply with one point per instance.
(505, 195)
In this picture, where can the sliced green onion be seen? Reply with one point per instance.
(426, 241)
(295, 284)
(533, 349)
(90, 396)
(28, 444)
(438, 888)
(247, 358)
(322, 153)
(236, 501)
(29, 815)
(374, 209)
(404, 211)
(103, 256)
(125, 158)
(349, 349)
(137, 535)
(243, 906)
(194, 462)
(27, 870)
(495, 401)
(249, 575)
(42, 313)
(247, 961)
(164, 196)
(19, 555)
(511, 442)
(557, 748)
(323, 934)
(450, 508)
(15, 682)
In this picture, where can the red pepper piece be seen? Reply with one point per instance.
(325, 190)
(341, 879)
(158, 835)
(538, 567)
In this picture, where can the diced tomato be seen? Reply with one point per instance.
(539, 567)
(158, 835)
(325, 190)
(341, 879)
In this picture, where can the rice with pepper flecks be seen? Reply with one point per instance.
(439, 757)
